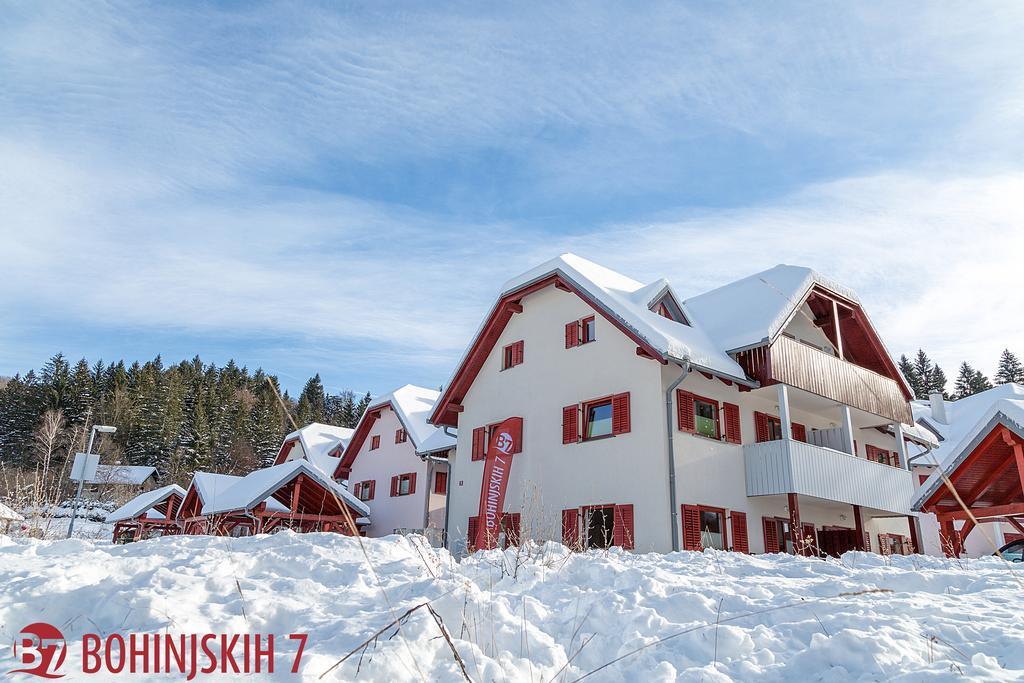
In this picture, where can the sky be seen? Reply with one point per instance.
(342, 188)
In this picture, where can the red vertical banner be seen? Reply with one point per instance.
(506, 439)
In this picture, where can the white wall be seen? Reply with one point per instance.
(388, 513)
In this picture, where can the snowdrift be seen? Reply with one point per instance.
(533, 615)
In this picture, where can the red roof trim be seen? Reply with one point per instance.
(496, 321)
(286, 448)
(997, 434)
(358, 437)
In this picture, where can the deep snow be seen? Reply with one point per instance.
(942, 619)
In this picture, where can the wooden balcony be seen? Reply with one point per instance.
(788, 361)
(778, 467)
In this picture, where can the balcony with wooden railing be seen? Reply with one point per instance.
(788, 361)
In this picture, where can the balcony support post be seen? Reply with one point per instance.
(915, 534)
(901, 446)
(839, 333)
(796, 529)
(858, 525)
(848, 430)
(784, 418)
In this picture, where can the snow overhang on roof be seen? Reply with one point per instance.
(9, 515)
(144, 502)
(133, 475)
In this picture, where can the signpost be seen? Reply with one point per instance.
(84, 469)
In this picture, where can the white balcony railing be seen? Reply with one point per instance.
(776, 467)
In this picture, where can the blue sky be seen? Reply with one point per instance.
(342, 188)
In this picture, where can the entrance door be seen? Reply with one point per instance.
(601, 526)
(837, 540)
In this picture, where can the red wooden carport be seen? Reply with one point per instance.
(989, 481)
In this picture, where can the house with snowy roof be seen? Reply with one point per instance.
(320, 444)
(397, 464)
(763, 416)
(148, 515)
(980, 455)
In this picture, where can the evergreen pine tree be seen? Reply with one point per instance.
(970, 381)
(1010, 369)
(922, 374)
(937, 382)
(361, 406)
(909, 373)
(312, 402)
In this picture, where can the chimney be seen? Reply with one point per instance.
(938, 407)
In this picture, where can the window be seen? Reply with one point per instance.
(705, 417)
(600, 527)
(403, 484)
(364, 490)
(662, 310)
(893, 544)
(441, 482)
(401, 436)
(512, 355)
(704, 527)
(581, 331)
(774, 428)
(374, 442)
(881, 455)
(598, 418)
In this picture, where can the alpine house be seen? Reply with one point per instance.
(397, 464)
(763, 416)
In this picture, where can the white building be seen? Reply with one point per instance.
(320, 444)
(397, 464)
(726, 420)
(985, 474)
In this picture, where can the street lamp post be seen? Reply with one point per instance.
(81, 479)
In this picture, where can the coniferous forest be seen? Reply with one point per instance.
(178, 418)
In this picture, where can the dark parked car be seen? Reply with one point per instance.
(1013, 551)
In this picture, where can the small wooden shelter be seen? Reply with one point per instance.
(147, 515)
(987, 472)
(295, 495)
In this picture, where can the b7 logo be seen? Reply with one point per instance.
(41, 648)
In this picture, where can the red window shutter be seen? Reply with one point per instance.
(357, 489)
(471, 530)
(884, 547)
(620, 413)
(479, 441)
(570, 424)
(761, 432)
(867, 541)
(572, 334)
(394, 486)
(894, 458)
(799, 432)
(440, 482)
(855, 446)
(510, 520)
(732, 423)
(771, 535)
(684, 409)
(740, 543)
(412, 483)
(571, 528)
(691, 528)
(517, 353)
(622, 529)
(373, 488)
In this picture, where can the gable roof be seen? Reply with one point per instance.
(968, 421)
(620, 299)
(318, 442)
(133, 475)
(144, 502)
(258, 486)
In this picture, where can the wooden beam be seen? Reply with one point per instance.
(1013, 509)
(456, 407)
(839, 332)
(1015, 524)
(986, 483)
(1018, 456)
(296, 490)
(796, 529)
(562, 286)
(858, 525)
(514, 306)
(914, 539)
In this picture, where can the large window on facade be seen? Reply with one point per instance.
(705, 415)
(600, 527)
(712, 528)
(598, 418)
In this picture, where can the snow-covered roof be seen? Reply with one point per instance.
(318, 440)
(414, 405)
(256, 487)
(9, 515)
(629, 301)
(144, 503)
(755, 309)
(968, 420)
(133, 475)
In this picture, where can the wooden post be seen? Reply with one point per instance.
(1018, 456)
(915, 533)
(784, 418)
(858, 525)
(796, 530)
(948, 539)
(839, 333)
(295, 493)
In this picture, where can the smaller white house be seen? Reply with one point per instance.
(320, 444)
(397, 463)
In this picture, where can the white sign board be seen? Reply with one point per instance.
(84, 468)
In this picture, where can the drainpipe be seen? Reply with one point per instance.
(670, 429)
(448, 489)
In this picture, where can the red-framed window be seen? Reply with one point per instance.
(364, 490)
(598, 526)
(440, 482)
(512, 355)
(881, 455)
(582, 331)
(704, 527)
(509, 535)
(375, 442)
(698, 414)
(894, 544)
(482, 437)
(401, 436)
(769, 428)
(599, 418)
(403, 484)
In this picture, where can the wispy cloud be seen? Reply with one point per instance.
(327, 189)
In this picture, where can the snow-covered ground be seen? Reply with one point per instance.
(522, 617)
